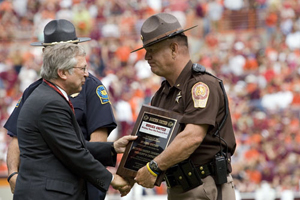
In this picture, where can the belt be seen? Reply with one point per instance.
(201, 171)
(205, 170)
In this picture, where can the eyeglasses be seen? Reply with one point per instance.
(82, 68)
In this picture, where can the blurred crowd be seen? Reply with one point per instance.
(253, 45)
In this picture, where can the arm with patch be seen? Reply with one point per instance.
(187, 141)
(99, 114)
(200, 111)
(201, 103)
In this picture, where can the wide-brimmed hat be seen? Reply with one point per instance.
(59, 31)
(159, 27)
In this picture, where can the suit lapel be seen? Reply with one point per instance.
(73, 117)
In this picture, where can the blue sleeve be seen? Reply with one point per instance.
(11, 123)
(99, 111)
(92, 108)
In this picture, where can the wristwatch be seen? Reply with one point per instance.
(154, 167)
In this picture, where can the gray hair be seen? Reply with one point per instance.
(60, 56)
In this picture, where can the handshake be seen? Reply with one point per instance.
(144, 177)
(123, 185)
(118, 183)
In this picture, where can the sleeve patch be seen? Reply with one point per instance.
(102, 94)
(200, 93)
(17, 105)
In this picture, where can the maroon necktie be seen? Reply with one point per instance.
(57, 90)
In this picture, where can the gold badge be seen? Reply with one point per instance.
(142, 38)
(200, 93)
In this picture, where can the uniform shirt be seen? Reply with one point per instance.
(200, 99)
(92, 108)
(11, 123)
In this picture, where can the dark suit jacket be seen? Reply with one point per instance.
(56, 161)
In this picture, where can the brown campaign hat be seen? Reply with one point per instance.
(59, 31)
(159, 27)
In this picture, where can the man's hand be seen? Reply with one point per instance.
(12, 183)
(120, 144)
(145, 178)
(118, 183)
(131, 181)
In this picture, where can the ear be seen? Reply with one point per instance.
(62, 74)
(174, 47)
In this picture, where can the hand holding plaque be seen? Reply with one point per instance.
(155, 128)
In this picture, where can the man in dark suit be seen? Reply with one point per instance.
(93, 109)
(56, 161)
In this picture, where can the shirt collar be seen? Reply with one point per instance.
(180, 80)
(63, 92)
(183, 75)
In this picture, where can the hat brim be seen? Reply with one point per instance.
(79, 40)
(163, 38)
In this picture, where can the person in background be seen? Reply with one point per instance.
(92, 106)
(197, 162)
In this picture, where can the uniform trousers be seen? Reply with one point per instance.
(207, 191)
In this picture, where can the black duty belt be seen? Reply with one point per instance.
(205, 170)
(173, 177)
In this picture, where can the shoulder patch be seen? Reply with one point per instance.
(102, 94)
(18, 103)
(200, 93)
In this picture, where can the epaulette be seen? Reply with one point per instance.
(198, 68)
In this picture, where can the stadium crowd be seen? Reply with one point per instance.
(260, 67)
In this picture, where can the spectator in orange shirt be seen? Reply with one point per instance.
(271, 23)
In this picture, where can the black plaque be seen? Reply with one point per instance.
(155, 128)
